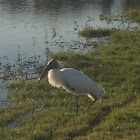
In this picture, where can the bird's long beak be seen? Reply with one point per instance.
(44, 73)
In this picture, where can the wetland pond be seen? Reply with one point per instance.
(31, 29)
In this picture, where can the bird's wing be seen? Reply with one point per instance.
(77, 81)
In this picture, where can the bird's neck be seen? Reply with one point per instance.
(55, 78)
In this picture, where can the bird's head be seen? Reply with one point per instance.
(52, 64)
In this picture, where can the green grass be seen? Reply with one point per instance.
(40, 111)
(90, 32)
(133, 15)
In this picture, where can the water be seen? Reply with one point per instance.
(28, 27)
(31, 23)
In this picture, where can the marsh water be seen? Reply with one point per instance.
(30, 29)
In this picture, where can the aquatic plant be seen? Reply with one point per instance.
(90, 32)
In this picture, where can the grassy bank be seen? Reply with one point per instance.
(40, 112)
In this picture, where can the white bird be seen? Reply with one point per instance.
(72, 81)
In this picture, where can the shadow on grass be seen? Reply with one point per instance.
(96, 119)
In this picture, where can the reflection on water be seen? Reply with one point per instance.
(34, 25)
(133, 4)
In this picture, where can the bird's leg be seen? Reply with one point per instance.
(76, 104)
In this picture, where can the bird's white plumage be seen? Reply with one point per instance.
(75, 82)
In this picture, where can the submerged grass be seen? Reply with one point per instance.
(40, 112)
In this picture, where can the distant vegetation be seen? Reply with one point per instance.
(133, 15)
(40, 111)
